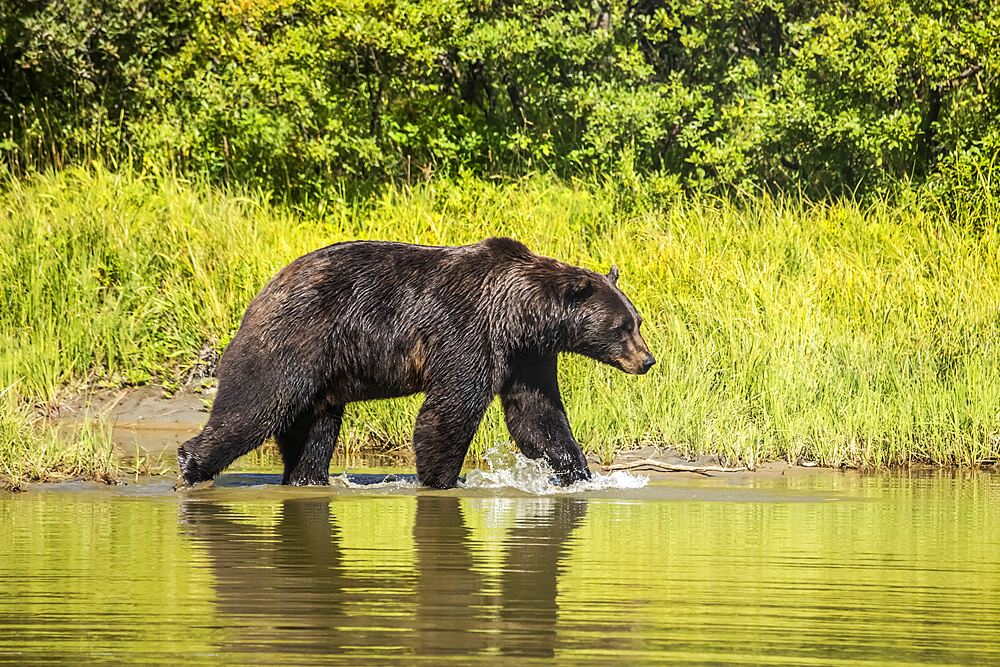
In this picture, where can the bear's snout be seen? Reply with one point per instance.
(646, 364)
(638, 359)
(639, 364)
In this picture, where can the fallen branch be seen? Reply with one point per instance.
(669, 467)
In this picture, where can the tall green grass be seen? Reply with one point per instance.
(831, 332)
(33, 450)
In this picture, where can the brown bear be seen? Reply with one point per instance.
(366, 320)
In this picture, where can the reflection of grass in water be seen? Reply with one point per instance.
(267, 458)
(831, 332)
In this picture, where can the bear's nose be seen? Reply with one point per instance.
(647, 363)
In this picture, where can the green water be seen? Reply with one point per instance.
(824, 569)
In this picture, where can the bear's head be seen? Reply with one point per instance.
(603, 323)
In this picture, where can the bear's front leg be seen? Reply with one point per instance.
(445, 425)
(537, 420)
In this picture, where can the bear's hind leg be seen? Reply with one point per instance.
(308, 444)
(224, 439)
(537, 420)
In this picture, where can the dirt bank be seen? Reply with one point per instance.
(146, 420)
(150, 422)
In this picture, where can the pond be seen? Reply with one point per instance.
(824, 568)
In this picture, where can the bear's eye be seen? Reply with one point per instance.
(625, 327)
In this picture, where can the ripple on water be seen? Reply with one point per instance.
(899, 570)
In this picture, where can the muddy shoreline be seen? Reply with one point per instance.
(151, 422)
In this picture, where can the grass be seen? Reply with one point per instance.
(33, 451)
(836, 332)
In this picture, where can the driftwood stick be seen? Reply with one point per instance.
(669, 467)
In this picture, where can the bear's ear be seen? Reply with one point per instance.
(613, 275)
(578, 289)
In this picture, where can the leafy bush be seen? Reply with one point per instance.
(827, 97)
(72, 72)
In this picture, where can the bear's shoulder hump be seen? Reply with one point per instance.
(504, 246)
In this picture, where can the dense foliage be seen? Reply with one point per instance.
(826, 96)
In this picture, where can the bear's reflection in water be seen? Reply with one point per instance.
(290, 587)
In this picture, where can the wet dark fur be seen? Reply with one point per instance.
(367, 320)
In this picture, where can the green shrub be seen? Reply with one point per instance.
(830, 97)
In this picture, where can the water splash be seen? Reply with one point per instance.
(507, 469)
(511, 469)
